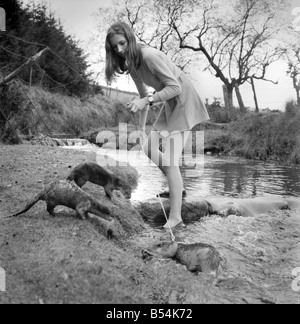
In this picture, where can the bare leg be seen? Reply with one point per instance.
(176, 188)
(168, 162)
(151, 149)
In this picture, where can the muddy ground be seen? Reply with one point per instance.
(65, 260)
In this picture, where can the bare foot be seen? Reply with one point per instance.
(174, 224)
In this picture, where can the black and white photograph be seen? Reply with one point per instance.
(149, 154)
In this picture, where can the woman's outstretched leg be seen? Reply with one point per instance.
(151, 149)
(175, 187)
(168, 162)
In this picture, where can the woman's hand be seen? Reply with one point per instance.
(138, 105)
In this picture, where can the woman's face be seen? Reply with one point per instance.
(119, 44)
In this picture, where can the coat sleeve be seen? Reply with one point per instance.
(158, 67)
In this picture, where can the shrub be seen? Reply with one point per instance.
(291, 109)
(270, 136)
(218, 114)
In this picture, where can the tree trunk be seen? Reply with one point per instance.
(255, 96)
(240, 99)
(228, 98)
(297, 88)
(21, 68)
(226, 101)
(298, 95)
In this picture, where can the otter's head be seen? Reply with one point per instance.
(123, 187)
(163, 249)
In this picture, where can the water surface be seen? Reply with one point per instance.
(216, 177)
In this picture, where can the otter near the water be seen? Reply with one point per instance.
(94, 173)
(65, 193)
(198, 257)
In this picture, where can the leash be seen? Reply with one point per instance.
(132, 115)
(163, 208)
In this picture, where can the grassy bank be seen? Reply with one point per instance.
(52, 112)
(33, 111)
(267, 136)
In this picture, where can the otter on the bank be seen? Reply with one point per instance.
(94, 173)
(198, 257)
(65, 193)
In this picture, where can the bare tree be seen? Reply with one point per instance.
(152, 25)
(238, 47)
(236, 37)
(293, 58)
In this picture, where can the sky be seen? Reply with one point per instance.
(76, 17)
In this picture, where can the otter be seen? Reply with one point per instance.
(198, 257)
(94, 173)
(65, 193)
(247, 207)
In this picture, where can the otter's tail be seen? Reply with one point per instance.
(29, 205)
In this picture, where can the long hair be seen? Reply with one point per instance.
(116, 64)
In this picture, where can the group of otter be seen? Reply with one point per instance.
(65, 193)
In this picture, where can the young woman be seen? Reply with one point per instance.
(182, 109)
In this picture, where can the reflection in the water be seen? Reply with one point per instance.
(239, 178)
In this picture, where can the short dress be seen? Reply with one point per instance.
(183, 108)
